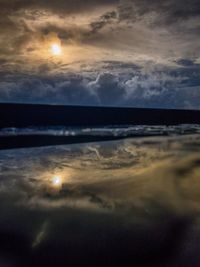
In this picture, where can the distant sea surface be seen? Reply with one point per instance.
(115, 131)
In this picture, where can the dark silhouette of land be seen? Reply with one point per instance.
(25, 115)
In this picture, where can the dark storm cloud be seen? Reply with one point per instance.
(165, 8)
(168, 11)
(162, 87)
(104, 20)
(108, 89)
(46, 90)
(143, 53)
(60, 6)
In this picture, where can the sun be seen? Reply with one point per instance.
(56, 49)
(56, 181)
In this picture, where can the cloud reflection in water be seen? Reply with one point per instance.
(111, 203)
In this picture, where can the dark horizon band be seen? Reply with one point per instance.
(26, 115)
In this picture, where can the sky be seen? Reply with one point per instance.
(137, 53)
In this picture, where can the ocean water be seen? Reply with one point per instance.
(115, 131)
(133, 202)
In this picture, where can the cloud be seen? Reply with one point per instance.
(168, 11)
(114, 52)
(60, 6)
(112, 83)
(106, 86)
(104, 20)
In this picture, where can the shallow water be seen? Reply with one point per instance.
(125, 203)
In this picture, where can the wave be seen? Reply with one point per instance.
(115, 131)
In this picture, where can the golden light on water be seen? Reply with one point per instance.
(56, 49)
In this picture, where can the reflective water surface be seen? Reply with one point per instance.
(134, 202)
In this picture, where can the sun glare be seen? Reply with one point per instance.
(56, 49)
(56, 181)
